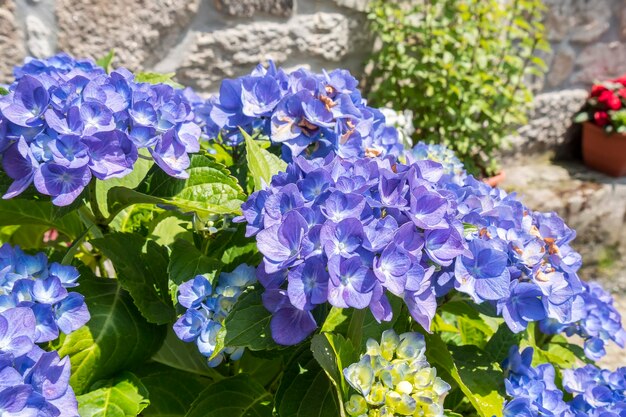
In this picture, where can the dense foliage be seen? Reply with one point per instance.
(273, 250)
(460, 67)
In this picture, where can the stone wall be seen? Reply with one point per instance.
(205, 41)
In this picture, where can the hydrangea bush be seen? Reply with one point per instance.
(273, 250)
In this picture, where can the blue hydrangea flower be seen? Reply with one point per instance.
(347, 231)
(595, 392)
(306, 113)
(33, 382)
(31, 282)
(598, 323)
(452, 166)
(421, 234)
(206, 309)
(66, 121)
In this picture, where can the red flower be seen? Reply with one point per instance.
(597, 89)
(622, 92)
(610, 100)
(601, 118)
(621, 80)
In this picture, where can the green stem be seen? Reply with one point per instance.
(89, 221)
(93, 202)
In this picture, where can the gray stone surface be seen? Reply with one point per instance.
(39, 37)
(141, 32)
(562, 66)
(248, 8)
(312, 39)
(11, 40)
(360, 5)
(550, 127)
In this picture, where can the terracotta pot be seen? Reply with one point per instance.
(496, 179)
(604, 152)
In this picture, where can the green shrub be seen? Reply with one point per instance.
(461, 66)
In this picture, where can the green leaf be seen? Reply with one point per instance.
(334, 353)
(142, 270)
(263, 164)
(157, 78)
(21, 212)
(106, 61)
(4, 91)
(116, 338)
(170, 226)
(186, 261)
(123, 396)
(479, 378)
(581, 117)
(165, 400)
(305, 390)
(210, 189)
(183, 356)
(263, 370)
(248, 324)
(336, 319)
(238, 396)
(233, 248)
(501, 342)
(130, 181)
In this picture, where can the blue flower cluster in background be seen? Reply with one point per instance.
(394, 378)
(600, 323)
(417, 231)
(208, 307)
(33, 382)
(595, 392)
(452, 165)
(303, 111)
(378, 226)
(521, 261)
(31, 282)
(66, 121)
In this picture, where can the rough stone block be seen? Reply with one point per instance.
(140, 31)
(315, 38)
(600, 61)
(11, 41)
(562, 66)
(550, 125)
(248, 8)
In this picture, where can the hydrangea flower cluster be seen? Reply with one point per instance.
(403, 122)
(452, 165)
(596, 392)
(533, 389)
(394, 379)
(347, 232)
(320, 113)
(521, 261)
(207, 308)
(66, 121)
(31, 282)
(33, 382)
(379, 226)
(600, 324)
